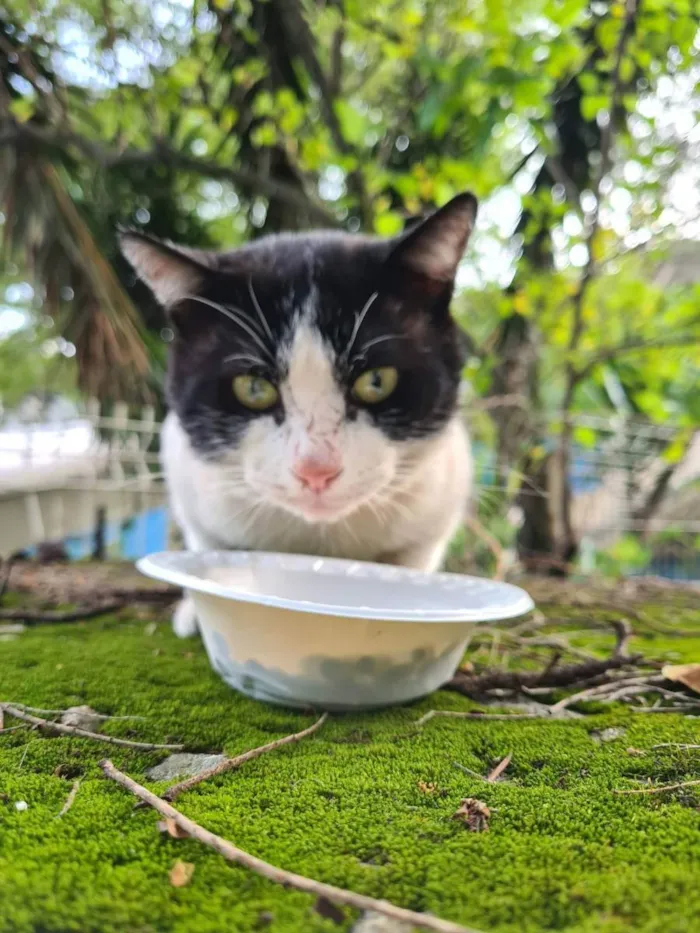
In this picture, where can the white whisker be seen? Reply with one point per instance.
(259, 310)
(245, 358)
(231, 314)
(358, 323)
(373, 343)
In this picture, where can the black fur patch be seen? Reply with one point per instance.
(327, 279)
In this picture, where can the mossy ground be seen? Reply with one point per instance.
(562, 853)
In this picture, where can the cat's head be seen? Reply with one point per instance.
(313, 367)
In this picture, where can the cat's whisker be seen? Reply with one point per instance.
(245, 358)
(259, 311)
(233, 315)
(373, 343)
(358, 324)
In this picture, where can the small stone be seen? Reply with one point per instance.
(82, 717)
(21, 806)
(183, 765)
(600, 736)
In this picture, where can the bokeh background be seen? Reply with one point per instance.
(212, 122)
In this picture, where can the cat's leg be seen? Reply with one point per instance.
(185, 617)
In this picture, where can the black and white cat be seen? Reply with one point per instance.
(313, 386)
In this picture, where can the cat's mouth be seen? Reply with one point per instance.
(316, 508)
(320, 508)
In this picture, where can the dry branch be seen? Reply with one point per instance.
(83, 733)
(280, 876)
(231, 763)
(564, 676)
(658, 790)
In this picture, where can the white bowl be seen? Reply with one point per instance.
(333, 634)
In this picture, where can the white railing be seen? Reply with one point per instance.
(57, 476)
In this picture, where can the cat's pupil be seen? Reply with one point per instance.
(376, 380)
(256, 386)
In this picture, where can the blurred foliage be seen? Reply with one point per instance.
(214, 121)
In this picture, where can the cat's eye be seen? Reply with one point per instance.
(255, 392)
(374, 385)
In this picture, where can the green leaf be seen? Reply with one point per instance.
(388, 224)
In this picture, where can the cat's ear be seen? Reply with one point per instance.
(170, 271)
(433, 248)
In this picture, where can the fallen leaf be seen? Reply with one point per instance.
(494, 775)
(474, 814)
(150, 629)
(169, 826)
(329, 911)
(636, 752)
(82, 717)
(686, 674)
(427, 787)
(181, 874)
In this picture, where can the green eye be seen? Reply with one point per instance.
(255, 392)
(375, 385)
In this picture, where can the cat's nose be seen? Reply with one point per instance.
(317, 475)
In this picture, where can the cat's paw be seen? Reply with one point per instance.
(185, 619)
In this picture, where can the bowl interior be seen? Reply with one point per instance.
(330, 586)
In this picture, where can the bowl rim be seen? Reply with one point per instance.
(519, 602)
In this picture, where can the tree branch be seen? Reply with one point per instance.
(638, 345)
(230, 763)
(164, 154)
(279, 876)
(83, 733)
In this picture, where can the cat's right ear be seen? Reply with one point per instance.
(171, 272)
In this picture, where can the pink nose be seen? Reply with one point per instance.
(317, 475)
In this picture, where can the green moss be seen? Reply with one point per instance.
(563, 852)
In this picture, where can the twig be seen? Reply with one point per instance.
(83, 733)
(494, 775)
(172, 792)
(12, 729)
(658, 790)
(681, 708)
(674, 745)
(616, 688)
(288, 879)
(563, 676)
(69, 800)
(60, 712)
(454, 714)
(33, 616)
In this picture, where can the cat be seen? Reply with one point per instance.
(313, 388)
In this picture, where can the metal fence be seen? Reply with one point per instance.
(92, 476)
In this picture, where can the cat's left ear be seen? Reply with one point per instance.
(433, 248)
